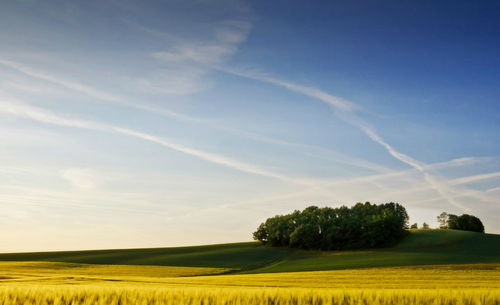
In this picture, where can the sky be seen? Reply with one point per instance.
(127, 124)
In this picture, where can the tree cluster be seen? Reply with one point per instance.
(463, 222)
(425, 226)
(364, 225)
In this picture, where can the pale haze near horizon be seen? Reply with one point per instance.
(171, 123)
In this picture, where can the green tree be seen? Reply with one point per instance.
(363, 225)
(452, 222)
(305, 236)
(261, 234)
(425, 226)
(465, 222)
(414, 226)
(443, 220)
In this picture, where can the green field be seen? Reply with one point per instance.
(237, 256)
(421, 247)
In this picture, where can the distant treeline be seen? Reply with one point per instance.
(363, 225)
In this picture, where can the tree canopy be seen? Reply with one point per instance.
(463, 222)
(364, 225)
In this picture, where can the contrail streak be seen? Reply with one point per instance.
(98, 94)
(323, 96)
(44, 116)
(68, 84)
(346, 111)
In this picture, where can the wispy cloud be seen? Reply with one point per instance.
(456, 162)
(41, 115)
(440, 186)
(345, 191)
(81, 178)
(60, 81)
(163, 111)
(184, 66)
(87, 90)
(494, 189)
(399, 174)
(224, 43)
(475, 178)
(316, 93)
(346, 110)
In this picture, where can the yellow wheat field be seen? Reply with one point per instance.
(241, 296)
(45, 283)
(44, 271)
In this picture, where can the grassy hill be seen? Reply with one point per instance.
(242, 256)
(421, 247)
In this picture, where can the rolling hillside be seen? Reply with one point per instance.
(421, 247)
(241, 256)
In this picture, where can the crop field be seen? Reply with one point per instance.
(429, 268)
(193, 296)
(57, 283)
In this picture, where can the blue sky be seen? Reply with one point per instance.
(165, 123)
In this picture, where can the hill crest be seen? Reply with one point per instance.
(420, 247)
